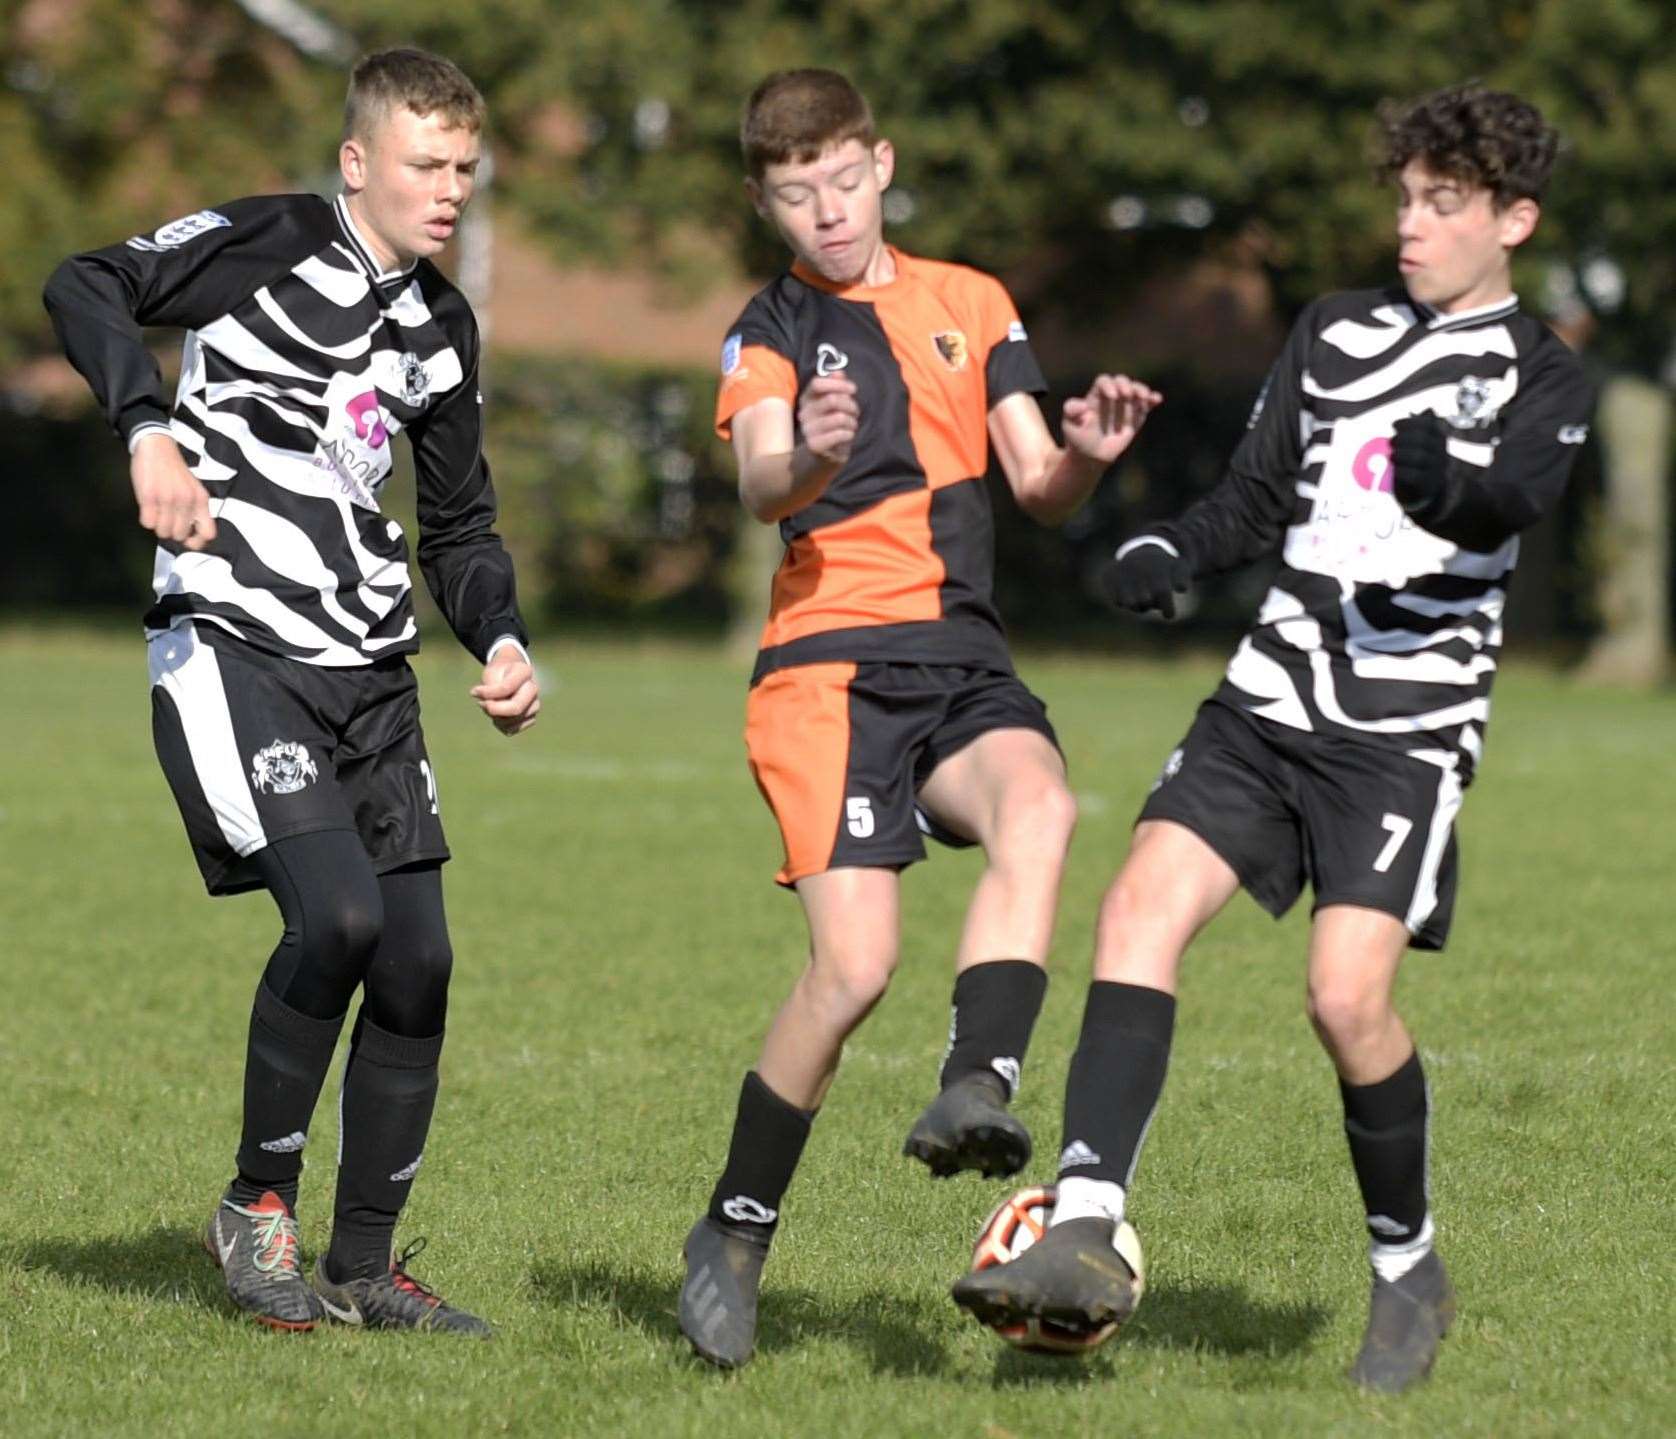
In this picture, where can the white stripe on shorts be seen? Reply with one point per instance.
(1449, 795)
(191, 676)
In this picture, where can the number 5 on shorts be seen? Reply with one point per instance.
(1399, 829)
(859, 812)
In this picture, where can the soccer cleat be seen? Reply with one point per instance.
(1407, 1318)
(719, 1299)
(395, 1300)
(256, 1247)
(1072, 1279)
(967, 1127)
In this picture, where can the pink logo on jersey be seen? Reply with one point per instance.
(1372, 465)
(369, 423)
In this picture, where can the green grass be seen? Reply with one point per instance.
(619, 950)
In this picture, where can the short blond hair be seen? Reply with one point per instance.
(413, 79)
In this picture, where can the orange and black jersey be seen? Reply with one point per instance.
(894, 562)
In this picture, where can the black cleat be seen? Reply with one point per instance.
(1407, 1319)
(395, 1300)
(1072, 1278)
(719, 1299)
(967, 1127)
(256, 1247)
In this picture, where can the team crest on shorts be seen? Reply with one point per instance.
(951, 345)
(283, 767)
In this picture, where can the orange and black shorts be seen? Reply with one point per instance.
(840, 751)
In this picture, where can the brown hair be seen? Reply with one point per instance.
(415, 79)
(796, 114)
(1485, 138)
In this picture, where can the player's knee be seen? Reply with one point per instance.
(852, 975)
(1345, 1011)
(343, 931)
(1037, 820)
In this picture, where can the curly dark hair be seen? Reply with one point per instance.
(1482, 137)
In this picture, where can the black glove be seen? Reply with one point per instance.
(1149, 577)
(1419, 461)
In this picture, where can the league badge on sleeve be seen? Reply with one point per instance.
(177, 232)
(731, 348)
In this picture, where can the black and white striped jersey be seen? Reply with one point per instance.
(303, 361)
(1379, 626)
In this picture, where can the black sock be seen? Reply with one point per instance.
(1116, 1077)
(285, 1064)
(1386, 1126)
(389, 1091)
(995, 1008)
(768, 1139)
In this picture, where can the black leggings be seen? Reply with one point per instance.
(346, 926)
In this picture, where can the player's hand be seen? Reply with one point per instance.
(1149, 577)
(1419, 459)
(173, 505)
(1101, 424)
(509, 693)
(828, 417)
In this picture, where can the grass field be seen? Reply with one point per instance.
(619, 948)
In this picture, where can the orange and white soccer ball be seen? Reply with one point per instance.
(1017, 1223)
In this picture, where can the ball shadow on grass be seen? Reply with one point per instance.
(1217, 1319)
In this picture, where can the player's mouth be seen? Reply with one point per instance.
(1408, 265)
(440, 229)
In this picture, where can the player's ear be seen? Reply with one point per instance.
(884, 163)
(1518, 220)
(352, 164)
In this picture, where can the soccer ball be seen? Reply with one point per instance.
(1017, 1223)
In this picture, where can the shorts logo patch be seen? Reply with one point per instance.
(1172, 767)
(283, 767)
(1572, 434)
(829, 359)
(951, 345)
(177, 232)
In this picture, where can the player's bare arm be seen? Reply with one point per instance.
(1049, 481)
(509, 692)
(173, 505)
(778, 472)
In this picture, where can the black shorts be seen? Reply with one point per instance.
(840, 751)
(256, 748)
(1363, 824)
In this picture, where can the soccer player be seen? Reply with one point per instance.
(1403, 440)
(862, 391)
(284, 712)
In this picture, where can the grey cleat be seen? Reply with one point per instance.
(395, 1300)
(967, 1126)
(256, 1247)
(719, 1298)
(1407, 1319)
(1072, 1277)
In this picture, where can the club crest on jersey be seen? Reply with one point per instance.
(416, 383)
(1474, 404)
(951, 345)
(177, 232)
(829, 359)
(283, 767)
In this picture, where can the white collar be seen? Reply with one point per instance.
(362, 251)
